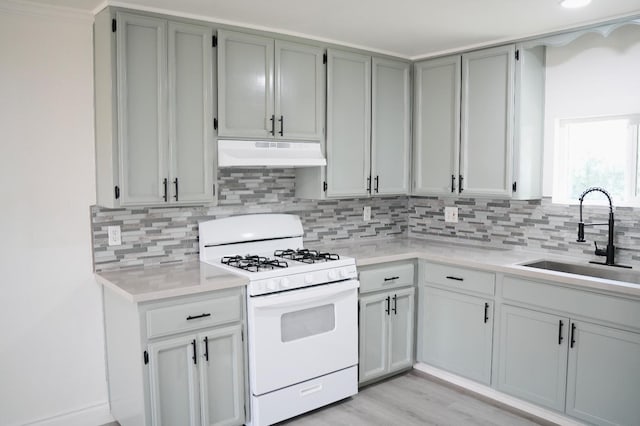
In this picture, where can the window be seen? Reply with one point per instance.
(597, 151)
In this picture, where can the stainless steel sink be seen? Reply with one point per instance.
(606, 272)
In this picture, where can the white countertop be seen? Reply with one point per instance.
(159, 282)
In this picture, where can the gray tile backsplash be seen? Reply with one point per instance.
(153, 236)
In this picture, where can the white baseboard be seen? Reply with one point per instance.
(93, 415)
(491, 393)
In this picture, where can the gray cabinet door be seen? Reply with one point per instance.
(174, 382)
(455, 335)
(487, 121)
(603, 381)
(401, 319)
(245, 85)
(299, 91)
(533, 356)
(348, 123)
(190, 113)
(374, 333)
(142, 108)
(221, 377)
(390, 127)
(436, 126)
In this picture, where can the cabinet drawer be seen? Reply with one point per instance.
(573, 301)
(194, 315)
(386, 275)
(459, 278)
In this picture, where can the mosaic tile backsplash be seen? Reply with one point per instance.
(152, 236)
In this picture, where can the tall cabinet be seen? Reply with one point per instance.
(473, 135)
(154, 111)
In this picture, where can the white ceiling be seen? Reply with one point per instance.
(407, 28)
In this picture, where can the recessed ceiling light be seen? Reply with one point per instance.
(573, 4)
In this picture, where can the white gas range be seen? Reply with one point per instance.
(302, 313)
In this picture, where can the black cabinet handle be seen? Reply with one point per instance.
(449, 277)
(281, 120)
(206, 348)
(573, 334)
(460, 179)
(165, 183)
(388, 308)
(175, 182)
(195, 359)
(453, 183)
(560, 338)
(369, 184)
(376, 180)
(395, 304)
(486, 312)
(273, 125)
(391, 278)
(189, 318)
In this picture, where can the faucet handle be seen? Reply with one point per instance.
(600, 252)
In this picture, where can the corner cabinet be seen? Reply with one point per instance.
(154, 111)
(178, 361)
(269, 88)
(386, 318)
(471, 138)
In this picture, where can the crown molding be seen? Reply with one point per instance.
(29, 8)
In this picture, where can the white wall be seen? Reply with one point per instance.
(51, 332)
(592, 76)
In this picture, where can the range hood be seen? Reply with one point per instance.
(243, 153)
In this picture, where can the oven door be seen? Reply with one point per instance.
(301, 334)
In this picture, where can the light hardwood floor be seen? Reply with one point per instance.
(407, 400)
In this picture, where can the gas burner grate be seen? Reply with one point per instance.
(306, 255)
(253, 263)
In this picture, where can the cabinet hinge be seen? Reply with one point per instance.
(324, 186)
(517, 54)
(116, 191)
(146, 357)
(324, 58)
(215, 124)
(113, 25)
(514, 186)
(214, 41)
(214, 189)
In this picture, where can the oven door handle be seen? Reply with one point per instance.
(303, 296)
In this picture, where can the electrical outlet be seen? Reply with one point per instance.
(451, 214)
(366, 213)
(115, 239)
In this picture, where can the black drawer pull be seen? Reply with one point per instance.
(486, 312)
(388, 308)
(573, 334)
(449, 277)
(560, 338)
(395, 304)
(189, 318)
(206, 348)
(391, 278)
(195, 354)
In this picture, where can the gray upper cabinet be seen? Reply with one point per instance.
(269, 89)
(603, 381)
(436, 126)
(154, 111)
(348, 124)
(478, 124)
(390, 127)
(487, 121)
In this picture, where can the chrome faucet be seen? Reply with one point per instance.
(610, 251)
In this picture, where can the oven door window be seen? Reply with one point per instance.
(307, 322)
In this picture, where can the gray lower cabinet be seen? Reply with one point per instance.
(455, 332)
(177, 361)
(154, 111)
(533, 356)
(386, 333)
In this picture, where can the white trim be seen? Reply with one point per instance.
(39, 9)
(498, 396)
(96, 414)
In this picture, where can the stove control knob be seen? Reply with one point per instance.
(285, 282)
(308, 279)
(332, 275)
(271, 286)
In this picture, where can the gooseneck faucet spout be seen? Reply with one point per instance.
(610, 251)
